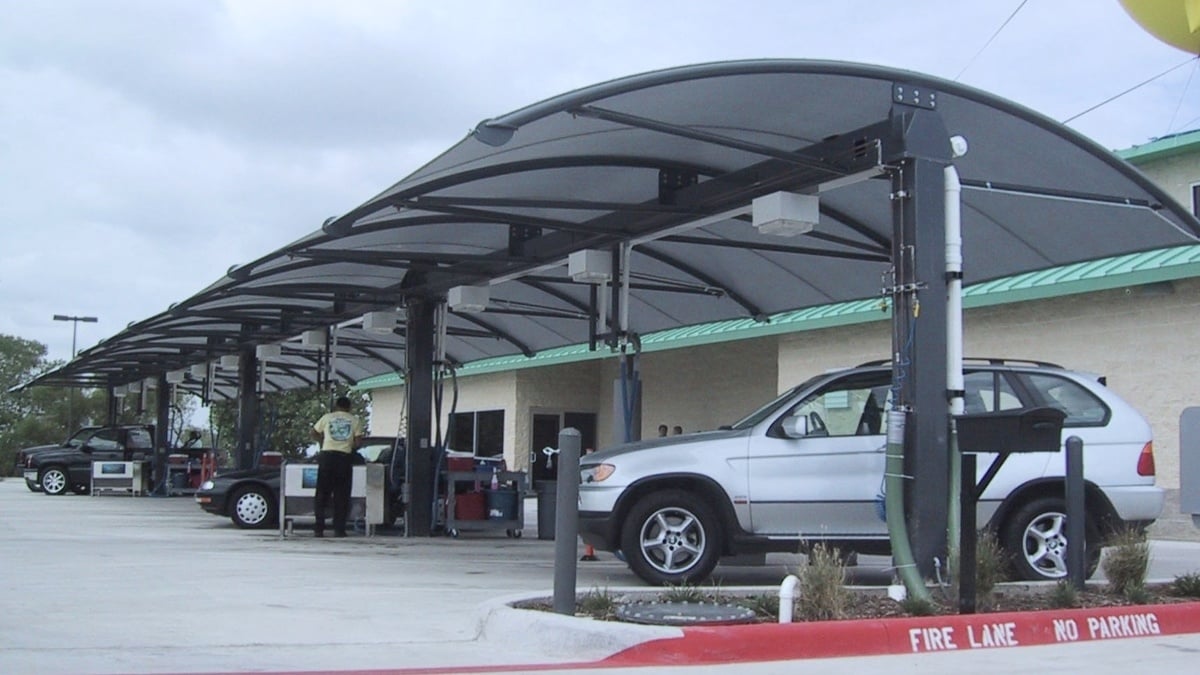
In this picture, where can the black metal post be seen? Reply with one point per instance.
(162, 430)
(418, 387)
(566, 523)
(247, 407)
(1076, 533)
(919, 324)
(967, 562)
(112, 407)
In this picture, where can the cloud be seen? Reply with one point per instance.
(150, 145)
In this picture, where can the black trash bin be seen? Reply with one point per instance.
(547, 506)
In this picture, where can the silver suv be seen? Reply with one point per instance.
(674, 506)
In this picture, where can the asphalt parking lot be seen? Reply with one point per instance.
(136, 585)
(152, 585)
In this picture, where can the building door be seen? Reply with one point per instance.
(586, 424)
(545, 435)
(546, 426)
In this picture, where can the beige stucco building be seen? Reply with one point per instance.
(1133, 319)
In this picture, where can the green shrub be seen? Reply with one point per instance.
(1138, 595)
(689, 593)
(1064, 595)
(1187, 585)
(1127, 562)
(597, 603)
(764, 605)
(991, 568)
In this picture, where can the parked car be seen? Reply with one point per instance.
(69, 467)
(23, 456)
(250, 497)
(808, 467)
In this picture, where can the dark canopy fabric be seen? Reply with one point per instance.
(669, 162)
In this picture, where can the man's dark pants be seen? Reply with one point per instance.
(334, 473)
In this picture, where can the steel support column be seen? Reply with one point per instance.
(247, 407)
(113, 406)
(418, 387)
(162, 428)
(919, 327)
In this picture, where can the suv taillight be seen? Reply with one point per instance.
(1146, 460)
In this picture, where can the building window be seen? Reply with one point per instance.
(1196, 200)
(480, 433)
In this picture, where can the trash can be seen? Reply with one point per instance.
(547, 505)
(502, 504)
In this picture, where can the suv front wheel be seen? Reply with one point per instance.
(1036, 540)
(671, 537)
(55, 480)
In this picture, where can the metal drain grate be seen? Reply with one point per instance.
(684, 613)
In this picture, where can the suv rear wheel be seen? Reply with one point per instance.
(671, 537)
(1036, 540)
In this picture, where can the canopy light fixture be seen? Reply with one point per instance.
(176, 376)
(468, 298)
(590, 266)
(200, 370)
(786, 214)
(150, 383)
(264, 352)
(383, 321)
(229, 361)
(316, 337)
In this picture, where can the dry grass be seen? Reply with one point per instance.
(823, 594)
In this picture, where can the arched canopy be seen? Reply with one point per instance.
(668, 163)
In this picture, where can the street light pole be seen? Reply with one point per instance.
(71, 394)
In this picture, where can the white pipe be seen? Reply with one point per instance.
(787, 597)
(954, 266)
(954, 347)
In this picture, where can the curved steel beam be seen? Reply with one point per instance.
(498, 333)
(752, 309)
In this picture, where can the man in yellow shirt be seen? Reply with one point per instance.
(339, 433)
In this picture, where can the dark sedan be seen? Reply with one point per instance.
(250, 497)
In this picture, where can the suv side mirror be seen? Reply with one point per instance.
(86, 448)
(795, 426)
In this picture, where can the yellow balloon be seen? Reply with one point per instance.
(1175, 22)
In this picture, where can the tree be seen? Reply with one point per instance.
(38, 415)
(284, 420)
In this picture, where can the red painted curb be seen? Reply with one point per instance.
(867, 637)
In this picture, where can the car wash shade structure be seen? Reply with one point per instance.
(655, 177)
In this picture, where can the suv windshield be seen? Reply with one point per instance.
(767, 410)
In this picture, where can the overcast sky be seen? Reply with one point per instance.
(148, 145)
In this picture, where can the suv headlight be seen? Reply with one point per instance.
(596, 473)
(206, 485)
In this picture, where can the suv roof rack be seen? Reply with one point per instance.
(991, 361)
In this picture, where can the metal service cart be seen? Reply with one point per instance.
(486, 508)
(112, 476)
(298, 489)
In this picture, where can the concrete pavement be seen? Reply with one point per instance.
(145, 585)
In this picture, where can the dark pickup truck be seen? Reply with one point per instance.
(25, 454)
(56, 469)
